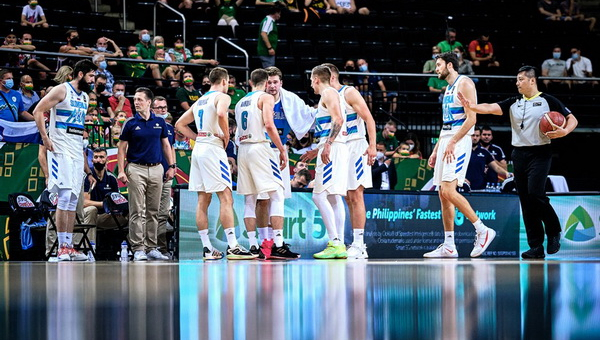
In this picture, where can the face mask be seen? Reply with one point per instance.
(93, 103)
(163, 116)
(556, 55)
(411, 147)
(100, 87)
(9, 83)
(380, 155)
(363, 68)
(74, 41)
(231, 88)
(188, 81)
(33, 4)
(198, 55)
(160, 59)
(28, 87)
(119, 93)
(101, 49)
(434, 56)
(86, 143)
(99, 166)
(575, 55)
(160, 45)
(26, 42)
(133, 54)
(179, 46)
(458, 55)
(103, 65)
(146, 37)
(205, 88)
(349, 68)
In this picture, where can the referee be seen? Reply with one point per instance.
(532, 157)
(144, 140)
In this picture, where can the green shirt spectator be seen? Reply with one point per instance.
(450, 43)
(187, 94)
(145, 49)
(387, 136)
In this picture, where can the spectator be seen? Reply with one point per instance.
(487, 135)
(550, 10)
(100, 86)
(23, 60)
(144, 48)
(437, 85)
(482, 52)
(118, 101)
(429, 66)
(579, 66)
(480, 162)
(11, 103)
(231, 149)
(413, 144)
(96, 110)
(342, 6)
(383, 171)
(450, 43)
(132, 69)
(227, 11)
(570, 8)
(187, 94)
(403, 151)
(198, 53)
(162, 72)
(179, 53)
(465, 66)
(300, 165)
(320, 6)
(117, 127)
(554, 67)
(64, 74)
(387, 137)
(205, 86)
(292, 5)
(306, 143)
(159, 43)
(28, 95)
(72, 47)
(268, 37)
(349, 80)
(100, 62)
(371, 86)
(33, 15)
(93, 195)
(301, 179)
(234, 92)
(102, 48)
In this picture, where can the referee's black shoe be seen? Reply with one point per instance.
(553, 245)
(534, 253)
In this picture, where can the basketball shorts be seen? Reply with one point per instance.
(457, 169)
(65, 172)
(258, 169)
(333, 176)
(359, 170)
(209, 170)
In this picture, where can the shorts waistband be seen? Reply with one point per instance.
(202, 134)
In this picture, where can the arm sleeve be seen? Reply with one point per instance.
(556, 105)
(506, 103)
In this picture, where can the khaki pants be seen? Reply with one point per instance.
(145, 187)
(163, 215)
(101, 221)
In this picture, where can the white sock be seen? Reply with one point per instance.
(337, 203)
(252, 238)
(449, 238)
(358, 237)
(327, 214)
(263, 233)
(479, 226)
(231, 238)
(69, 239)
(270, 232)
(205, 239)
(62, 237)
(278, 236)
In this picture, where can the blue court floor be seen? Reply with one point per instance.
(304, 299)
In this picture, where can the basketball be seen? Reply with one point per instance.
(551, 120)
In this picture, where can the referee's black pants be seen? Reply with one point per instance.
(531, 169)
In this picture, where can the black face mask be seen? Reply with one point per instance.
(100, 88)
(205, 88)
(99, 166)
(349, 69)
(304, 140)
(84, 86)
(74, 41)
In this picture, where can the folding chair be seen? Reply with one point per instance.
(48, 205)
(115, 204)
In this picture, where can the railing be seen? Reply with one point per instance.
(238, 48)
(158, 3)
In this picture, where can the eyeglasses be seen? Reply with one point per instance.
(160, 107)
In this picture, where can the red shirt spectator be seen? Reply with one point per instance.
(118, 101)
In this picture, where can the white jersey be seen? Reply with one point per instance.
(454, 115)
(323, 123)
(355, 126)
(207, 119)
(250, 123)
(67, 120)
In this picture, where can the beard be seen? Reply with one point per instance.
(444, 74)
(484, 143)
(82, 85)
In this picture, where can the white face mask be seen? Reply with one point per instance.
(119, 93)
(86, 143)
(380, 156)
(411, 147)
(163, 116)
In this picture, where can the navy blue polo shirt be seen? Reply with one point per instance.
(171, 137)
(144, 138)
(480, 158)
(103, 187)
(498, 154)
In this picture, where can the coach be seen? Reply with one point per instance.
(144, 139)
(532, 156)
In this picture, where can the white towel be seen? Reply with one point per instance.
(300, 116)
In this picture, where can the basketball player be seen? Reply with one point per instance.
(532, 156)
(361, 156)
(209, 171)
(450, 158)
(332, 161)
(68, 104)
(258, 169)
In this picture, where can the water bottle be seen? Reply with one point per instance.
(488, 187)
(91, 253)
(124, 252)
(498, 187)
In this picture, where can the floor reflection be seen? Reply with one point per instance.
(470, 299)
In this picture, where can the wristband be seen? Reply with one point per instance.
(173, 166)
(270, 48)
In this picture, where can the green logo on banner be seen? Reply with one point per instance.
(580, 226)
